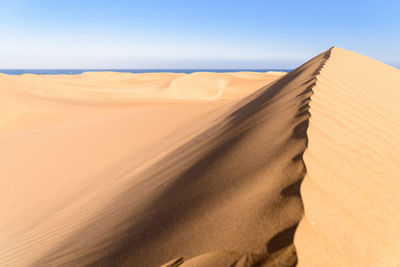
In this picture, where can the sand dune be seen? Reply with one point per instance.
(205, 169)
(70, 148)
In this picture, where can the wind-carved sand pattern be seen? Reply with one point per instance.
(351, 192)
(203, 169)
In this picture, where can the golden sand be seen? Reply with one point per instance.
(203, 169)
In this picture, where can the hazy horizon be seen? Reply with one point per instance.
(187, 35)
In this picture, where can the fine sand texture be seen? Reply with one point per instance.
(351, 193)
(203, 169)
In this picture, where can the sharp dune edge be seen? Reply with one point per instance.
(111, 169)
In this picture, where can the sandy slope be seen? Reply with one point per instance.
(351, 192)
(108, 169)
(71, 145)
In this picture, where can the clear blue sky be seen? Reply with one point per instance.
(192, 33)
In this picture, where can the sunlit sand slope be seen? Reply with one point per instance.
(70, 145)
(351, 193)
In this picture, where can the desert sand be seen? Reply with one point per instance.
(351, 193)
(203, 169)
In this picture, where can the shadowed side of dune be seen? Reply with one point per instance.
(230, 194)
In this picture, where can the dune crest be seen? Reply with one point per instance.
(108, 169)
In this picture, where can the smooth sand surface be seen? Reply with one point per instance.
(205, 169)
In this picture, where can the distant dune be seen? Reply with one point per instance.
(203, 169)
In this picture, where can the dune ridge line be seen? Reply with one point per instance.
(280, 251)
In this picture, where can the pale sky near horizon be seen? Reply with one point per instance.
(192, 34)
